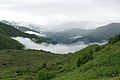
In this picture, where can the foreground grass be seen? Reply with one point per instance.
(21, 64)
(105, 65)
(92, 63)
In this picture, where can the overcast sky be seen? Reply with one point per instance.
(53, 11)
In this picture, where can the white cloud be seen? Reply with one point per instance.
(58, 48)
(18, 16)
(38, 34)
(53, 11)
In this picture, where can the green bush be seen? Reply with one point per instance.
(44, 65)
(44, 75)
(29, 78)
(114, 39)
(97, 49)
(84, 58)
(91, 51)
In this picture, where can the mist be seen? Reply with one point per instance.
(51, 13)
(58, 48)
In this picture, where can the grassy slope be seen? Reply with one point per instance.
(104, 64)
(7, 43)
(23, 62)
(13, 32)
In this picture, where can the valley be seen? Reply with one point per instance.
(93, 62)
(18, 61)
(59, 40)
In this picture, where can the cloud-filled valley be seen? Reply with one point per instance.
(54, 48)
(58, 48)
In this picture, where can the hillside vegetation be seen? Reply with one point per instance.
(92, 63)
(7, 43)
(13, 32)
(96, 62)
(22, 64)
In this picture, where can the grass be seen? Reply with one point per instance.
(91, 63)
(105, 65)
(18, 63)
(13, 32)
(28, 64)
(7, 43)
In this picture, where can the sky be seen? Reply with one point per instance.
(46, 12)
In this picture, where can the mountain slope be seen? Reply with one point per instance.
(31, 31)
(22, 64)
(92, 63)
(101, 34)
(13, 32)
(24, 26)
(67, 36)
(7, 43)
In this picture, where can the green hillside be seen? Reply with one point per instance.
(7, 43)
(92, 63)
(13, 32)
(95, 63)
(21, 64)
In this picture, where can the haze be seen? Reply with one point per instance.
(58, 48)
(52, 12)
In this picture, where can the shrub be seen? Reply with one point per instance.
(84, 58)
(91, 51)
(114, 39)
(44, 75)
(44, 65)
(29, 78)
(97, 49)
(1, 48)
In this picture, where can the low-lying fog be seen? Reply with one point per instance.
(58, 48)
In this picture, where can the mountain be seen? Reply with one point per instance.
(70, 36)
(67, 36)
(7, 31)
(95, 63)
(32, 26)
(101, 34)
(14, 32)
(26, 27)
(32, 31)
(8, 43)
(91, 63)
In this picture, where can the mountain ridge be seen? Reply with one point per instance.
(71, 36)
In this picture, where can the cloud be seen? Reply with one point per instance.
(53, 11)
(58, 48)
